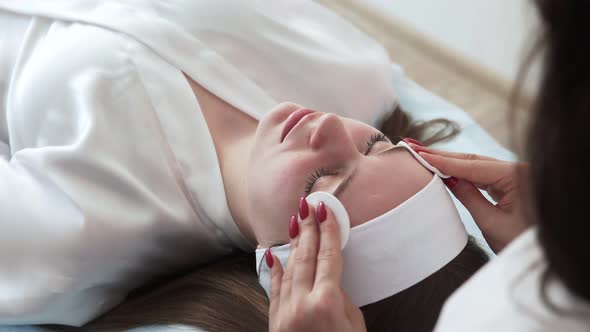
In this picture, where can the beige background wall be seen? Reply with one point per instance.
(437, 63)
(494, 34)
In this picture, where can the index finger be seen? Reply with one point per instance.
(458, 155)
(480, 171)
(329, 261)
(306, 253)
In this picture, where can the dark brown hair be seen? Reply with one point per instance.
(226, 295)
(398, 125)
(557, 143)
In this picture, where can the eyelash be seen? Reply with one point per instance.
(378, 137)
(314, 177)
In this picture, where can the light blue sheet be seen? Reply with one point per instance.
(422, 105)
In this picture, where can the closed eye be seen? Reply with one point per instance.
(314, 177)
(378, 137)
(321, 172)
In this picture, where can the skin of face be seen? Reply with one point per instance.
(336, 147)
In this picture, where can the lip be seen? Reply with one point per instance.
(293, 120)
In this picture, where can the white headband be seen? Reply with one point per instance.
(395, 250)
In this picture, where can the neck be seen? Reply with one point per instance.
(233, 161)
(233, 135)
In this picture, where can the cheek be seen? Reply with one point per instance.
(277, 184)
(273, 197)
(276, 177)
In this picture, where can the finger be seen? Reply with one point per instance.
(329, 259)
(276, 277)
(457, 155)
(287, 282)
(489, 218)
(307, 251)
(482, 210)
(353, 313)
(483, 172)
(497, 194)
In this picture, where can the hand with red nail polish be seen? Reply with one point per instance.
(502, 222)
(306, 296)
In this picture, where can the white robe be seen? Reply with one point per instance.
(108, 174)
(505, 295)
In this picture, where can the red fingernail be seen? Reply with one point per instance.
(293, 227)
(321, 212)
(303, 208)
(419, 149)
(411, 140)
(268, 257)
(451, 182)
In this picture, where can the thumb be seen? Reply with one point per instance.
(482, 210)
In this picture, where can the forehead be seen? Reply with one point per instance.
(382, 183)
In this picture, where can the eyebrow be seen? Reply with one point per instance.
(346, 182)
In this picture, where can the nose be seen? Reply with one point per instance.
(330, 135)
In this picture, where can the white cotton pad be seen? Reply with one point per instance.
(337, 209)
(402, 144)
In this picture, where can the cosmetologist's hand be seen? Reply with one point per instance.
(307, 296)
(500, 223)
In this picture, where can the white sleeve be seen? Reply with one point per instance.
(90, 204)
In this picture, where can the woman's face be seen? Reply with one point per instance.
(298, 151)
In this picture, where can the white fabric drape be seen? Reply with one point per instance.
(108, 174)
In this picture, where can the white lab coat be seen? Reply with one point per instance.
(505, 295)
(108, 174)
